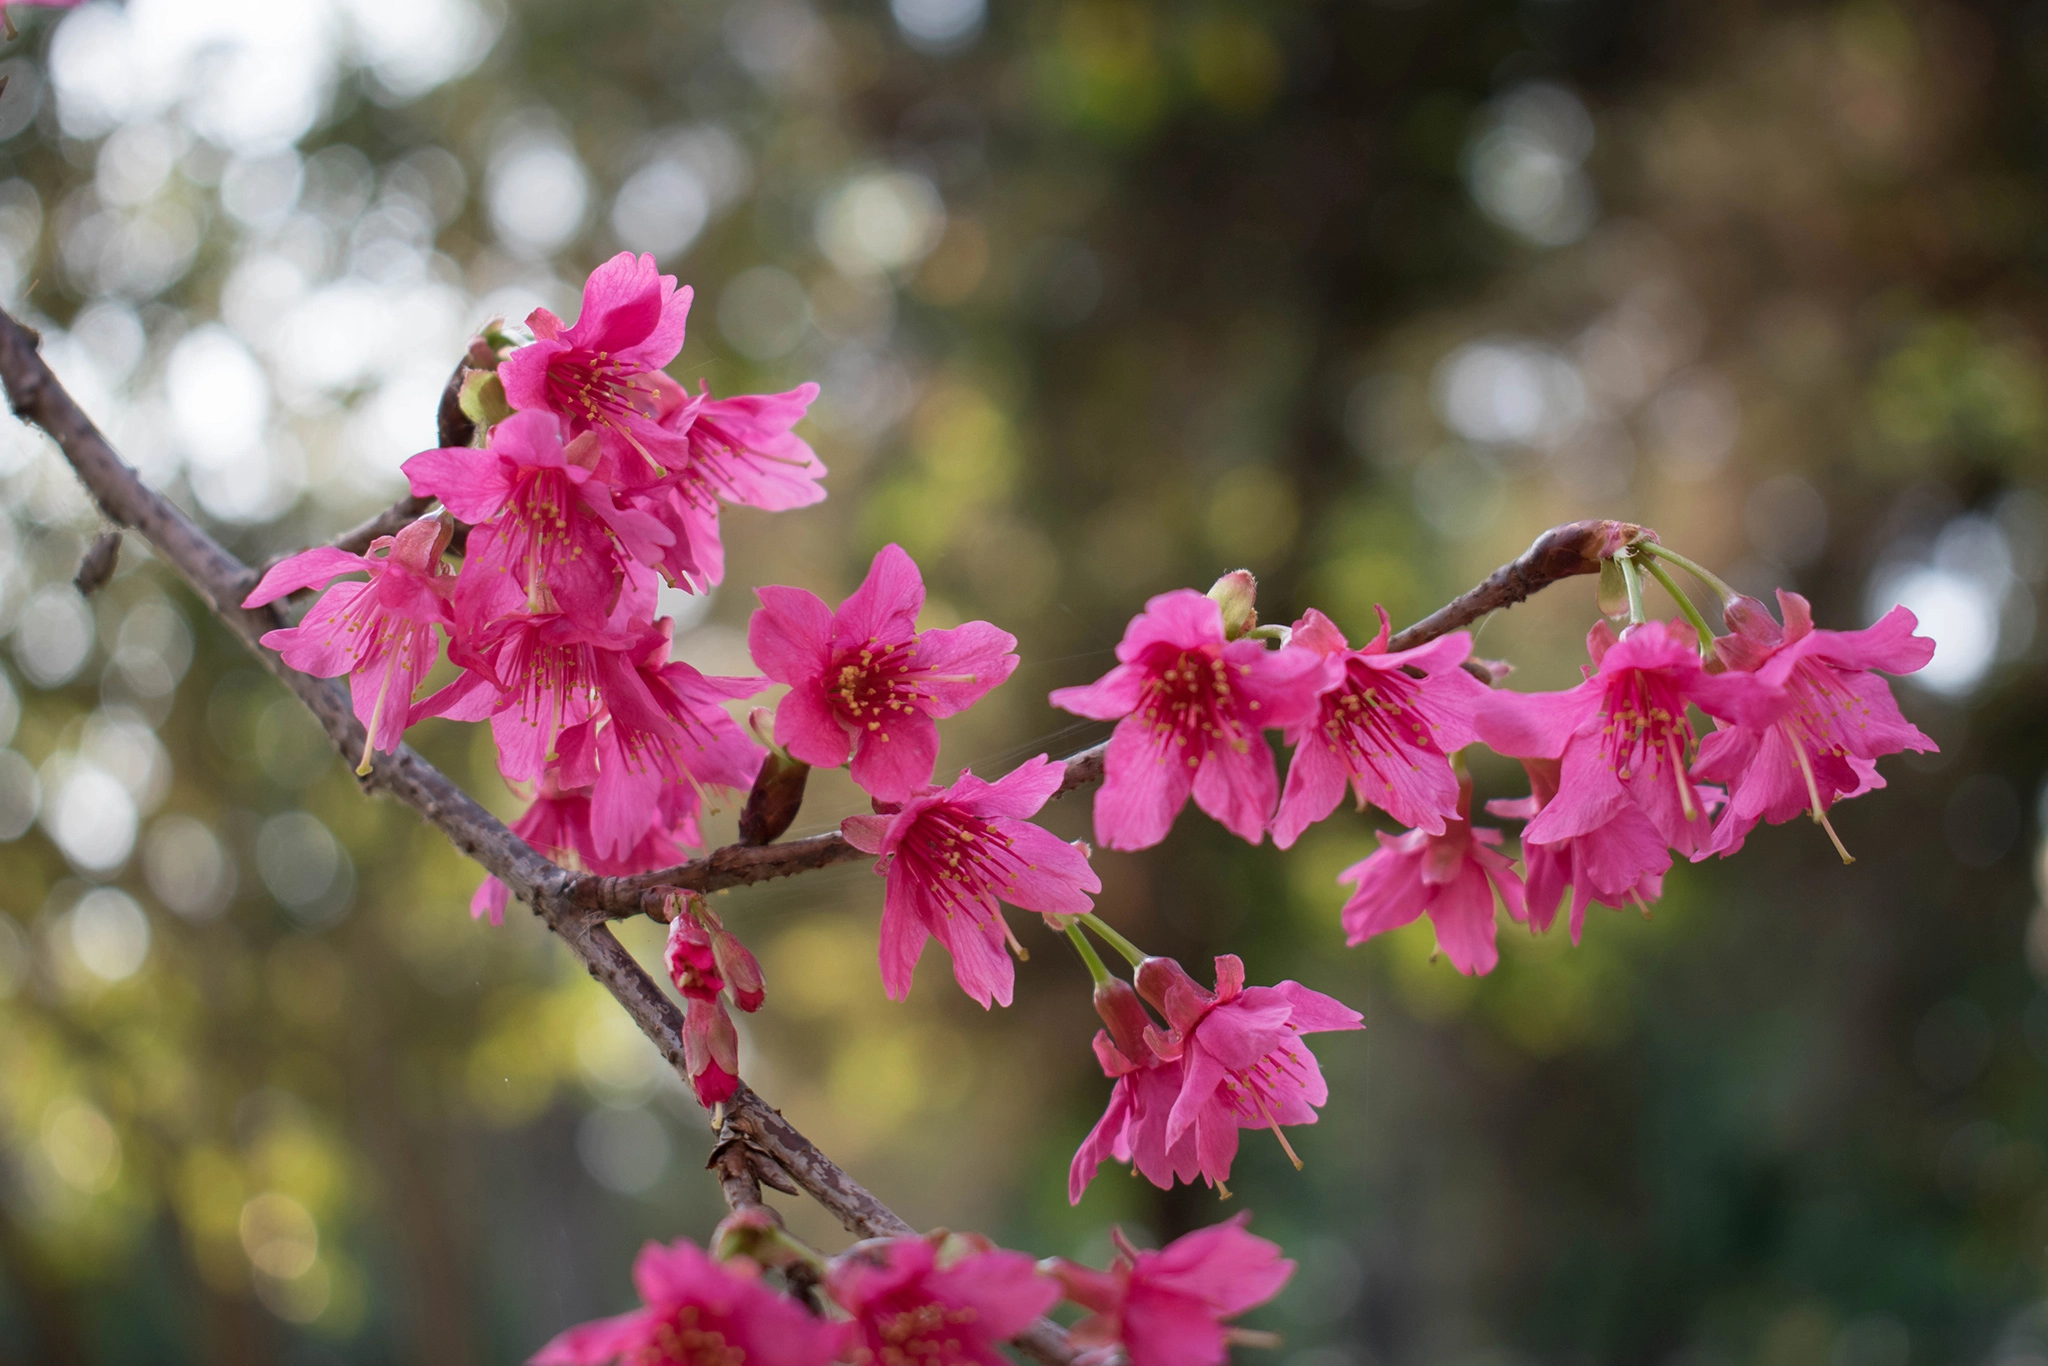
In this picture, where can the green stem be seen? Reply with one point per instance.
(1096, 971)
(1702, 573)
(1632, 579)
(1685, 604)
(1131, 952)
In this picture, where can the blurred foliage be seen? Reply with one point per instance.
(1106, 296)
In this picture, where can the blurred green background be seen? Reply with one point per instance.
(1106, 297)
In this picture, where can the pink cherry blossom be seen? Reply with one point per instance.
(1191, 710)
(741, 450)
(865, 682)
(1244, 1065)
(604, 373)
(558, 824)
(1381, 728)
(1623, 734)
(1166, 1308)
(1451, 878)
(694, 1312)
(711, 1046)
(942, 1300)
(380, 633)
(1841, 719)
(545, 520)
(950, 854)
(1133, 1128)
(1615, 864)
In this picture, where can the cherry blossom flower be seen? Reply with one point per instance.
(1451, 878)
(1386, 724)
(942, 1300)
(379, 632)
(1244, 1065)
(1840, 721)
(543, 515)
(1623, 734)
(604, 373)
(1191, 709)
(950, 854)
(1133, 1128)
(1616, 864)
(1166, 1308)
(741, 450)
(558, 824)
(695, 1311)
(865, 682)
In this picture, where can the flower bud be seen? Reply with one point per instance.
(692, 964)
(777, 795)
(1167, 986)
(742, 974)
(711, 1049)
(1237, 594)
(1116, 1001)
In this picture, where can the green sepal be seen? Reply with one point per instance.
(483, 398)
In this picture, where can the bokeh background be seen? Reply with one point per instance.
(1106, 297)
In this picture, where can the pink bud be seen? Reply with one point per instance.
(711, 1050)
(1167, 986)
(692, 962)
(741, 972)
(1116, 1001)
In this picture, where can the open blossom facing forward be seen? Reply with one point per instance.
(1623, 735)
(951, 854)
(604, 373)
(1452, 878)
(1235, 1059)
(865, 683)
(1386, 725)
(1191, 709)
(1840, 721)
(697, 1312)
(1166, 1308)
(1614, 864)
(943, 1300)
(380, 633)
(546, 517)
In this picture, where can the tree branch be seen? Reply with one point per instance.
(1559, 553)
(222, 581)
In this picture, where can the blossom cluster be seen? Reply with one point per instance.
(942, 1300)
(596, 477)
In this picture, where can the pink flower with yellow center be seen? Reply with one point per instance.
(1623, 736)
(1450, 877)
(1192, 708)
(951, 855)
(1386, 726)
(865, 683)
(944, 1300)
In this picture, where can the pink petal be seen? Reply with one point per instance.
(892, 763)
(1144, 787)
(1110, 698)
(1465, 924)
(1315, 784)
(1182, 619)
(1239, 788)
(1534, 725)
(807, 727)
(597, 1344)
(470, 483)
(790, 635)
(307, 569)
(886, 604)
(977, 651)
(904, 932)
(1057, 879)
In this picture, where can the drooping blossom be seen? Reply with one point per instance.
(1133, 1127)
(557, 823)
(379, 632)
(1243, 1063)
(1452, 878)
(864, 682)
(1191, 709)
(1840, 721)
(942, 1300)
(1166, 1308)
(545, 518)
(705, 961)
(697, 1312)
(604, 373)
(1623, 734)
(951, 854)
(1620, 863)
(1386, 725)
(741, 450)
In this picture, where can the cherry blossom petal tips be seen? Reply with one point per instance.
(1191, 707)
(1453, 878)
(951, 855)
(1167, 1308)
(694, 1309)
(866, 686)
